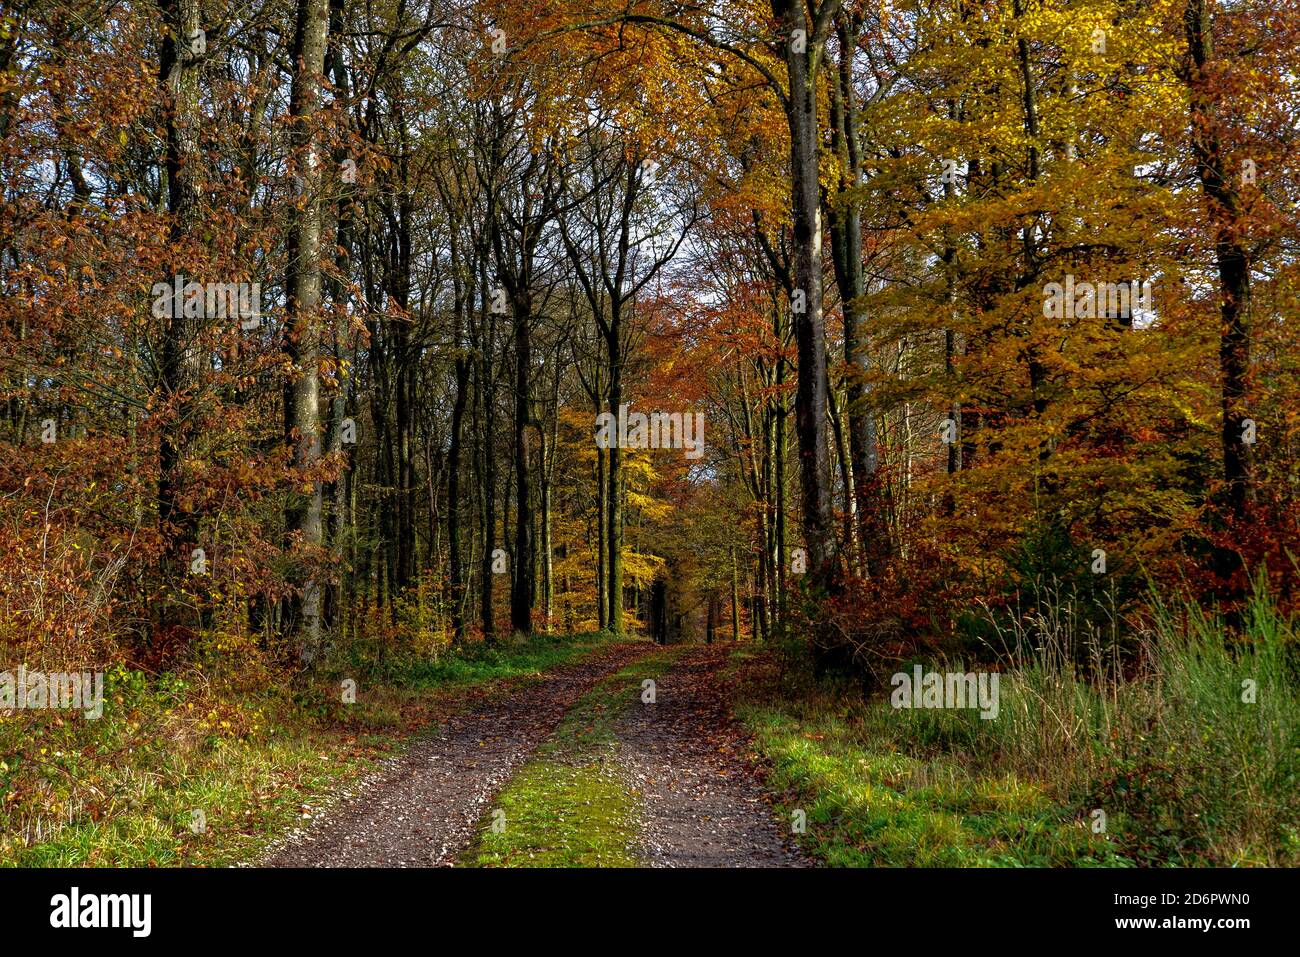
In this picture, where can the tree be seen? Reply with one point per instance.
(182, 54)
(302, 518)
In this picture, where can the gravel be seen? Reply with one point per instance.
(702, 801)
(421, 809)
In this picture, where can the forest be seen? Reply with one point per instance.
(738, 433)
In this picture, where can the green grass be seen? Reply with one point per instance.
(1185, 771)
(255, 759)
(510, 657)
(868, 804)
(246, 793)
(568, 806)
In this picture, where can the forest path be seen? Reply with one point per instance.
(701, 800)
(421, 810)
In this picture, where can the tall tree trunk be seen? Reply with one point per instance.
(406, 363)
(548, 568)
(302, 617)
(487, 589)
(523, 583)
(602, 511)
(454, 536)
(779, 553)
(178, 75)
(802, 57)
(1038, 372)
(850, 279)
(1232, 261)
(336, 493)
(953, 459)
(614, 497)
(302, 519)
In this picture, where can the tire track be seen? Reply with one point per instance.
(702, 801)
(422, 808)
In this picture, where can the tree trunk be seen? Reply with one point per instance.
(613, 497)
(336, 494)
(810, 408)
(1232, 261)
(735, 599)
(602, 511)
(548, 568)
(406, 368)
(522, 584)
(846, 252)
(487, 590)
(178, 75)
(459, 403)
(302, 519)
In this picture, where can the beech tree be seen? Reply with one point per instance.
(302, 327)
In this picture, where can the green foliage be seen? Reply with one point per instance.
(120, 791)
(1186, 771)
(1052, 591)
(870, 802)
(479, 661)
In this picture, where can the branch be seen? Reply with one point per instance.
(702, 36)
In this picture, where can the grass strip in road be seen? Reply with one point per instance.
(568, 806)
